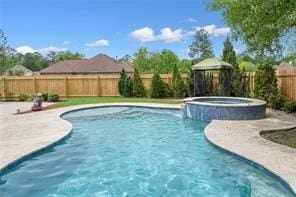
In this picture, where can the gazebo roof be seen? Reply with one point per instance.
(212, 64)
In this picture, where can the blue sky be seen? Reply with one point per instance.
(112, 27)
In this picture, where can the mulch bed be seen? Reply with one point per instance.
(43, 109)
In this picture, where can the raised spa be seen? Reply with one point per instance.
(224, 108)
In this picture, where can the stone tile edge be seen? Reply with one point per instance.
(253, 163)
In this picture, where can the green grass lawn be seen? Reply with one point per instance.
(287, 138)
(90, 100)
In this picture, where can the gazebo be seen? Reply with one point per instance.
(212, 64)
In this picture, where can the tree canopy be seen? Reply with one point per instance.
(260, 24)
(158, 62)
(201, 47)
(67, 55)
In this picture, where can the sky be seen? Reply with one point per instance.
(112, 27)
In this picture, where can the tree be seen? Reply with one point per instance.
(237, 76)
(125, 58)
(3, 49)
(265, 82)
(190, 83)
(260, 24)
(122, 86)
(129, 86)
(167, 60)
(158, 87)
(34, 61)
(138, 86)
(178, 85)
(141, 60)
(201, 46)
(67, 55)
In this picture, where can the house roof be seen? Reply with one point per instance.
(17, 68)
(211, 64)
(98, 64)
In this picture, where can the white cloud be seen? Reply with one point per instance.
(25, 49)
(168, 35)
(145, 34)
(45, 51)
(191, 20)
(98, 43)
(213, 30)
(67, 42)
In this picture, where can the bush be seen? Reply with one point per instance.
(122, 83)
(265, 82)
(8, 95)
(129, 87)
(53, 98)
(178, 86)
(290, 106)
(138, 86)
(158, 87)
(276, 101)
(23, 97)
(44, 96)
(190, 83)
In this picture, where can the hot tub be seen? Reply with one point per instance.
(224, 108)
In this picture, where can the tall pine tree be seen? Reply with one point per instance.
(201, 46)
(178, 85)
(158, 87)
(122, 86)
(237, 76)
(138, 86)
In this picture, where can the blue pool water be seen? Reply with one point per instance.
(128, 151)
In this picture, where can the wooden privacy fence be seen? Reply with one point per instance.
(107, 85)
(71, 85)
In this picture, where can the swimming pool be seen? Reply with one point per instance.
(129, 151)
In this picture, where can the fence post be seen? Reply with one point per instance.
(5, 87)
(99, 86)
(34, 85)
(66, 86)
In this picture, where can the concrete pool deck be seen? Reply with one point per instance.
(24, 134)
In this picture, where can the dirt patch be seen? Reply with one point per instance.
(287, 138)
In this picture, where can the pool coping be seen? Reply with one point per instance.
(255, 102)
(215, 132)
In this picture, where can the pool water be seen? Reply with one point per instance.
(129, 151)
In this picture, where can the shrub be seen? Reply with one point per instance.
(265, 82)
(138, 86)
(8, 95)
(44, 96)
(122, 83)
(190, 83)
(23, 97)
(129, 86)
(290, 106)
(53, 98)
(178, 85)
(158, 87)
(276, 101)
